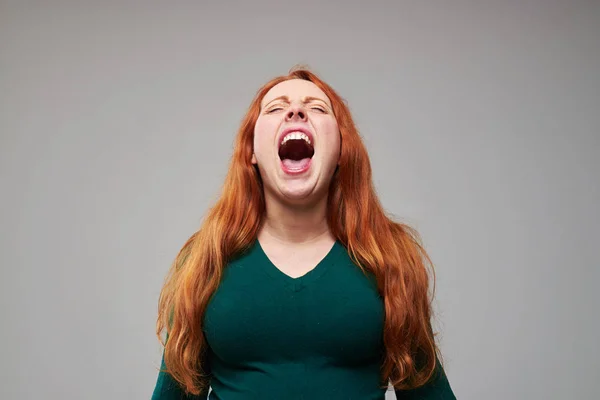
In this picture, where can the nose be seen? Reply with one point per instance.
(296, 113)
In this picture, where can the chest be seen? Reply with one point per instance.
(257, 315)
(295, 262)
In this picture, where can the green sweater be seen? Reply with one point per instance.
(315, 337)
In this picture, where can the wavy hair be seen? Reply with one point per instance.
(390, 250)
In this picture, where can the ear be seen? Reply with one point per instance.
(253, 159)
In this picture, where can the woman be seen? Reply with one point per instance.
(297, 285)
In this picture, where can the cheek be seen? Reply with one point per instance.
(263, 135)
(331, 134)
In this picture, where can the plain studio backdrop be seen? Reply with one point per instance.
(117, 122)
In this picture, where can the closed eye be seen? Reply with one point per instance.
(320, 109)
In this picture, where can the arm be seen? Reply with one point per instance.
(168, 388)
(438, 388)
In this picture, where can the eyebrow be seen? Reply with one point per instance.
(306, 99)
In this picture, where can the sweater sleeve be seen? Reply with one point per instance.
(438, 388)
(168, 388)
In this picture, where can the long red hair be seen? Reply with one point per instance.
(391, 250)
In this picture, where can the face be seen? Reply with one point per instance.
(296, 106)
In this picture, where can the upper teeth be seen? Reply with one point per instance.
(295, 135)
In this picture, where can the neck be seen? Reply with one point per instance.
(293, 224)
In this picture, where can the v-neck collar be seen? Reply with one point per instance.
(297, 284)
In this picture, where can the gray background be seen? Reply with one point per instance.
(117, 121)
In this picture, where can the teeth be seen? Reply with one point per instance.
(295, 135)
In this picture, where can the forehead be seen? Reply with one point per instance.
(295, 89)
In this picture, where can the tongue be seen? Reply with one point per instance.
(296, 164)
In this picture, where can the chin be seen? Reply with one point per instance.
(298, 194)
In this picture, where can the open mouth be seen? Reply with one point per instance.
(296, 152)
